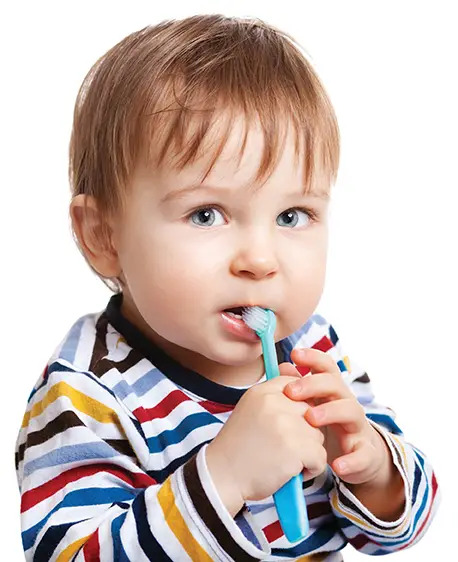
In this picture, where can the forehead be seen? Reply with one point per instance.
(234, 152)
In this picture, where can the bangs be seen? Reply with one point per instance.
(196, 122)
(169, 94)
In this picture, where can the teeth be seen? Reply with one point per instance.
(239, 316)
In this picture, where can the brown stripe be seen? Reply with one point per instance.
(99, 363)
(363, 378)
(100, 349)
(209, 515)
(348, 503)
(122, 446)
(57, 425)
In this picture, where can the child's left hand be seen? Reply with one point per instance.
(356, 451)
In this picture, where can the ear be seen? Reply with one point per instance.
(95, 236)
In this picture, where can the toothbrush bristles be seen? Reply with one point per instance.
(255, 317)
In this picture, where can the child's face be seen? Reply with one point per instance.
(182, 267)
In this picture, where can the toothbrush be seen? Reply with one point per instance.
(289, 499)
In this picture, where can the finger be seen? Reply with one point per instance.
(317, 361)
(289, 369)
(314, 461)
(320, 385)
(346, 412)
(357, 463)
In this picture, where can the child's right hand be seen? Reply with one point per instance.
(265, 442)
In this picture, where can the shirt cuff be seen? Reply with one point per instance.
(238, 540)
(346, 504)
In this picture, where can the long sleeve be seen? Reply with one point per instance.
(86, 493)
(363, 530)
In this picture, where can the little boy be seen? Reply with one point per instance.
(201, 161)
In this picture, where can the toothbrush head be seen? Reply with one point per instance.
(261, 320)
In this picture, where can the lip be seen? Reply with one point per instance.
(238, 328)
(247, 306)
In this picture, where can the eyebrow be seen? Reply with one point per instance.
(185, 191)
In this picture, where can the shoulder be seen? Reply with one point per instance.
(78, 355)
(318, 333)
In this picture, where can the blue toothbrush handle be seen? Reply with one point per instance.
(292, 509)
(289, 499)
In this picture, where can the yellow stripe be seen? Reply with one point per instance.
(80, 401)
(401, 446)
(363, 523)
(67, 554)
(178, 525)
(346, 361)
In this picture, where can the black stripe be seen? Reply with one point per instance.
(182, 376)
(209, 515)
(147, 540)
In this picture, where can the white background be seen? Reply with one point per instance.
(390, 69)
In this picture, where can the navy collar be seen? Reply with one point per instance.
(182, 376)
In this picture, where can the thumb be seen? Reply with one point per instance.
(289, 370)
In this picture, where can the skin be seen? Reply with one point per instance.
(181, 268)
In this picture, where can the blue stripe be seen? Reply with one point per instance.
(68, 349)
(342, 366)
(168, 437)
(332, 335)
(161, 475)
(385, 421)
(148, 542)
(78, 498)
(143, 385)
(50, 540)
(246, 529)
(312, 543)
(71, 453)
(119, 553)
(303, 330)
(411, 530)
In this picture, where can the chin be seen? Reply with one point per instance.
(236, 358)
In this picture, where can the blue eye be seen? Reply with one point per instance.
(205, 216)
(292, 217)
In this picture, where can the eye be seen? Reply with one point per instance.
(293, 217)
(205, 216)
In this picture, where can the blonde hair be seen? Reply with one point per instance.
(160, 90)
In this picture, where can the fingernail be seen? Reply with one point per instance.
(342, 467)
(318, 415)
(295, 387)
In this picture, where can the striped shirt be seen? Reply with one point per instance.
(111, 465)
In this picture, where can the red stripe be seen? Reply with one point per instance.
(360, 541)
(325, 344)
(163, 409)
(434, 487)
(91, 549)
(40, 493)
(215, 408)
(273, 531)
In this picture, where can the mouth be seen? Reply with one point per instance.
(232, 322)
(237, 310)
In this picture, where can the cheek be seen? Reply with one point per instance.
(304, 291)
(168, 276)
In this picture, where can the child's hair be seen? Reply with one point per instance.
(158, 92)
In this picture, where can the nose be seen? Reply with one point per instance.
(255, 256)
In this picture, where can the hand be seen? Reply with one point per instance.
(265, 442)
(356, 452)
